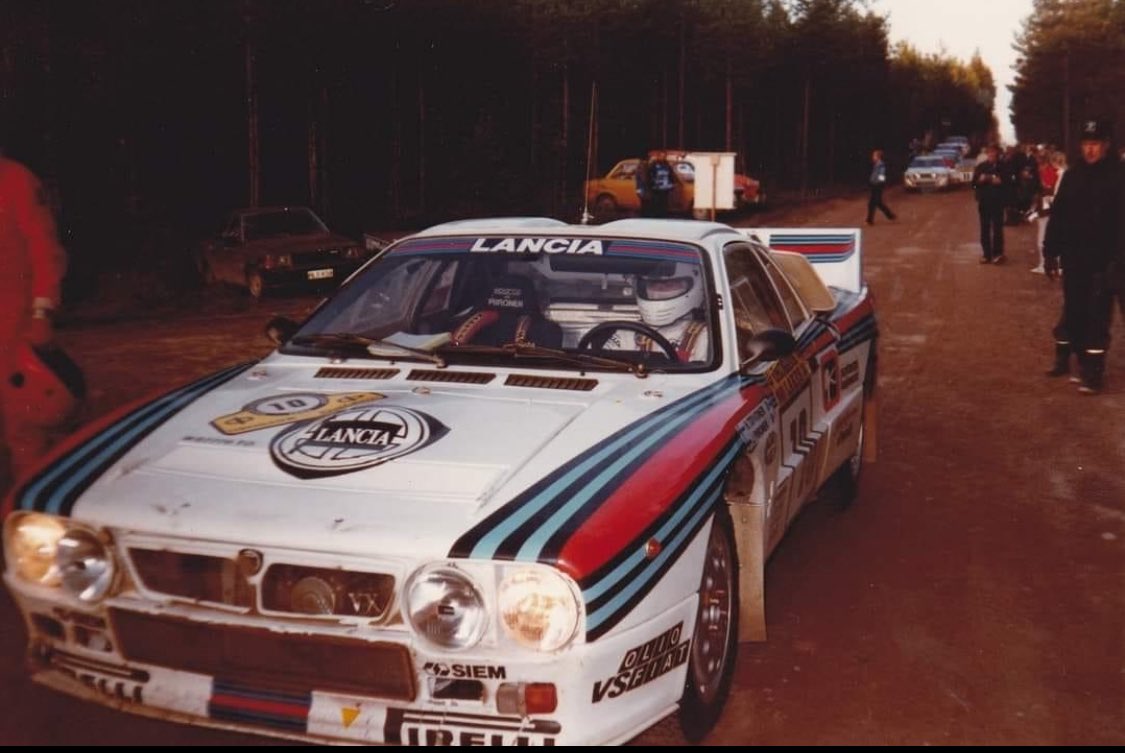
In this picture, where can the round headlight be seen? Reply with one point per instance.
(85, 565)
(31, 542)
(445, 608)
(538, 609)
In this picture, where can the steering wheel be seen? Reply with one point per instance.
(596, 338)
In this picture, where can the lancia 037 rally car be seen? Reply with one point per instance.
(516, 482)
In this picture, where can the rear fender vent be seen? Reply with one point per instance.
(338, 372)
(551, 383)
(464, 377)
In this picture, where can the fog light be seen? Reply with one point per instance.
(85, 565)
(312, 595)
(524, 698)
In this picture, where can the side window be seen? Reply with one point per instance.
(794, 310)
(753, 300)
(626, 170)
(232, 230)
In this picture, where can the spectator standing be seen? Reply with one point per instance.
(661, 183)
(644, 195)
(1048, 180)
(34, 264)
(991, 184)
(1083, 234)
(877, 181)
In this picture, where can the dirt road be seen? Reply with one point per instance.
(974, 595)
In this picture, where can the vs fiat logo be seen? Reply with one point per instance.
(352, 440)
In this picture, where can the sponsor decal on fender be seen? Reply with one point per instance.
(289, 408)
(353, 439)
(752, 428)
(576, 246)
(645, 663)
(787, 377)
(770, 450)
(849, 375)
(830, 381)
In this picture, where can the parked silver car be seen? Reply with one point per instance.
(928, 172)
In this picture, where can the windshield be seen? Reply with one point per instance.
(282, 222)
(583, 303)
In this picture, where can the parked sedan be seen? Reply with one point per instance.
(270, 248)
(516, 482)
(928, 172)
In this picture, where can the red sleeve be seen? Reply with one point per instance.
(33, 220)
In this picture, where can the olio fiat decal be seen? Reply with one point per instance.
(353, 439)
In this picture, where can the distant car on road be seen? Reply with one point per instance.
(268, 248)
(928, 171)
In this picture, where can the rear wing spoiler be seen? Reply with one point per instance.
(835, 253)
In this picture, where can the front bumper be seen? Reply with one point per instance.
(437, 698)
(312, 276)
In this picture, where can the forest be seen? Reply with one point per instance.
(149, 121)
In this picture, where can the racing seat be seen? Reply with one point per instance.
(509, 313)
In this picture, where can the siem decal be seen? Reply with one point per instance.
(830, 381)
(289, 408)
(645, 663)
(353, 439)
(465, 671)
(577, 246)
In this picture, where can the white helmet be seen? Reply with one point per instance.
(669, 292)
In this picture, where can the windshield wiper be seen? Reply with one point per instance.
(368, 345)
(579, 358)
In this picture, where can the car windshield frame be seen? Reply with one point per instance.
(280, 223)
(423, 293)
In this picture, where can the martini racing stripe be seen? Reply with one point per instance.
(622, 583)
(58, 486)
(503, 534)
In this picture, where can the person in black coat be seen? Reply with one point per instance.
(1084, 234)
(991, 183)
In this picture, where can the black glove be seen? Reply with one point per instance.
(1051, 266)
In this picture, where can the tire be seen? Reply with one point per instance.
(255, 285)
(714, 646)
(605, 206)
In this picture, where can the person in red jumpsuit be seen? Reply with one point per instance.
(33, 266)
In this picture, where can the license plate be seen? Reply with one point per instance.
(320, 274)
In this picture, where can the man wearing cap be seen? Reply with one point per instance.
(33, 265)
(1083, 234)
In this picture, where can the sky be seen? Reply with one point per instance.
(960, 28)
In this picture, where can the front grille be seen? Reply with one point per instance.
(338, 372)
(324, 591)
(325, 257)
(465, 377)
(198, 577)
(267, 659)
(551, 383)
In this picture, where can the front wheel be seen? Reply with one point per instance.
(714, 646)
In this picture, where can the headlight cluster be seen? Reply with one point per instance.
(47, 550)
(536, 607)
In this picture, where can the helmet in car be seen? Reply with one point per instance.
(669, 292)
(47, 385)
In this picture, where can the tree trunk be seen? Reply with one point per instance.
(421, 143)
(683, 88)
(729, 117)
(253, 155)
(805, 137)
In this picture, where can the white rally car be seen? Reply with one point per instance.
(515, 482)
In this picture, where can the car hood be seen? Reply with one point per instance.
(278, 456)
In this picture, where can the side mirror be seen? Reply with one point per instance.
(280, 329)
(770, 345)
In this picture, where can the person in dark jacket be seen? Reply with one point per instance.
(877, 181)
(991, 183)
(1083, 234)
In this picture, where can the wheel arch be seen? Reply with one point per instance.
(746, 501)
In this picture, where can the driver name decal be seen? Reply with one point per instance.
(645, 663)
(353, 439)
(577, 246)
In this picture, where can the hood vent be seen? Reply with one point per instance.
(464, 377)
(337, 372)
(551, 383)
